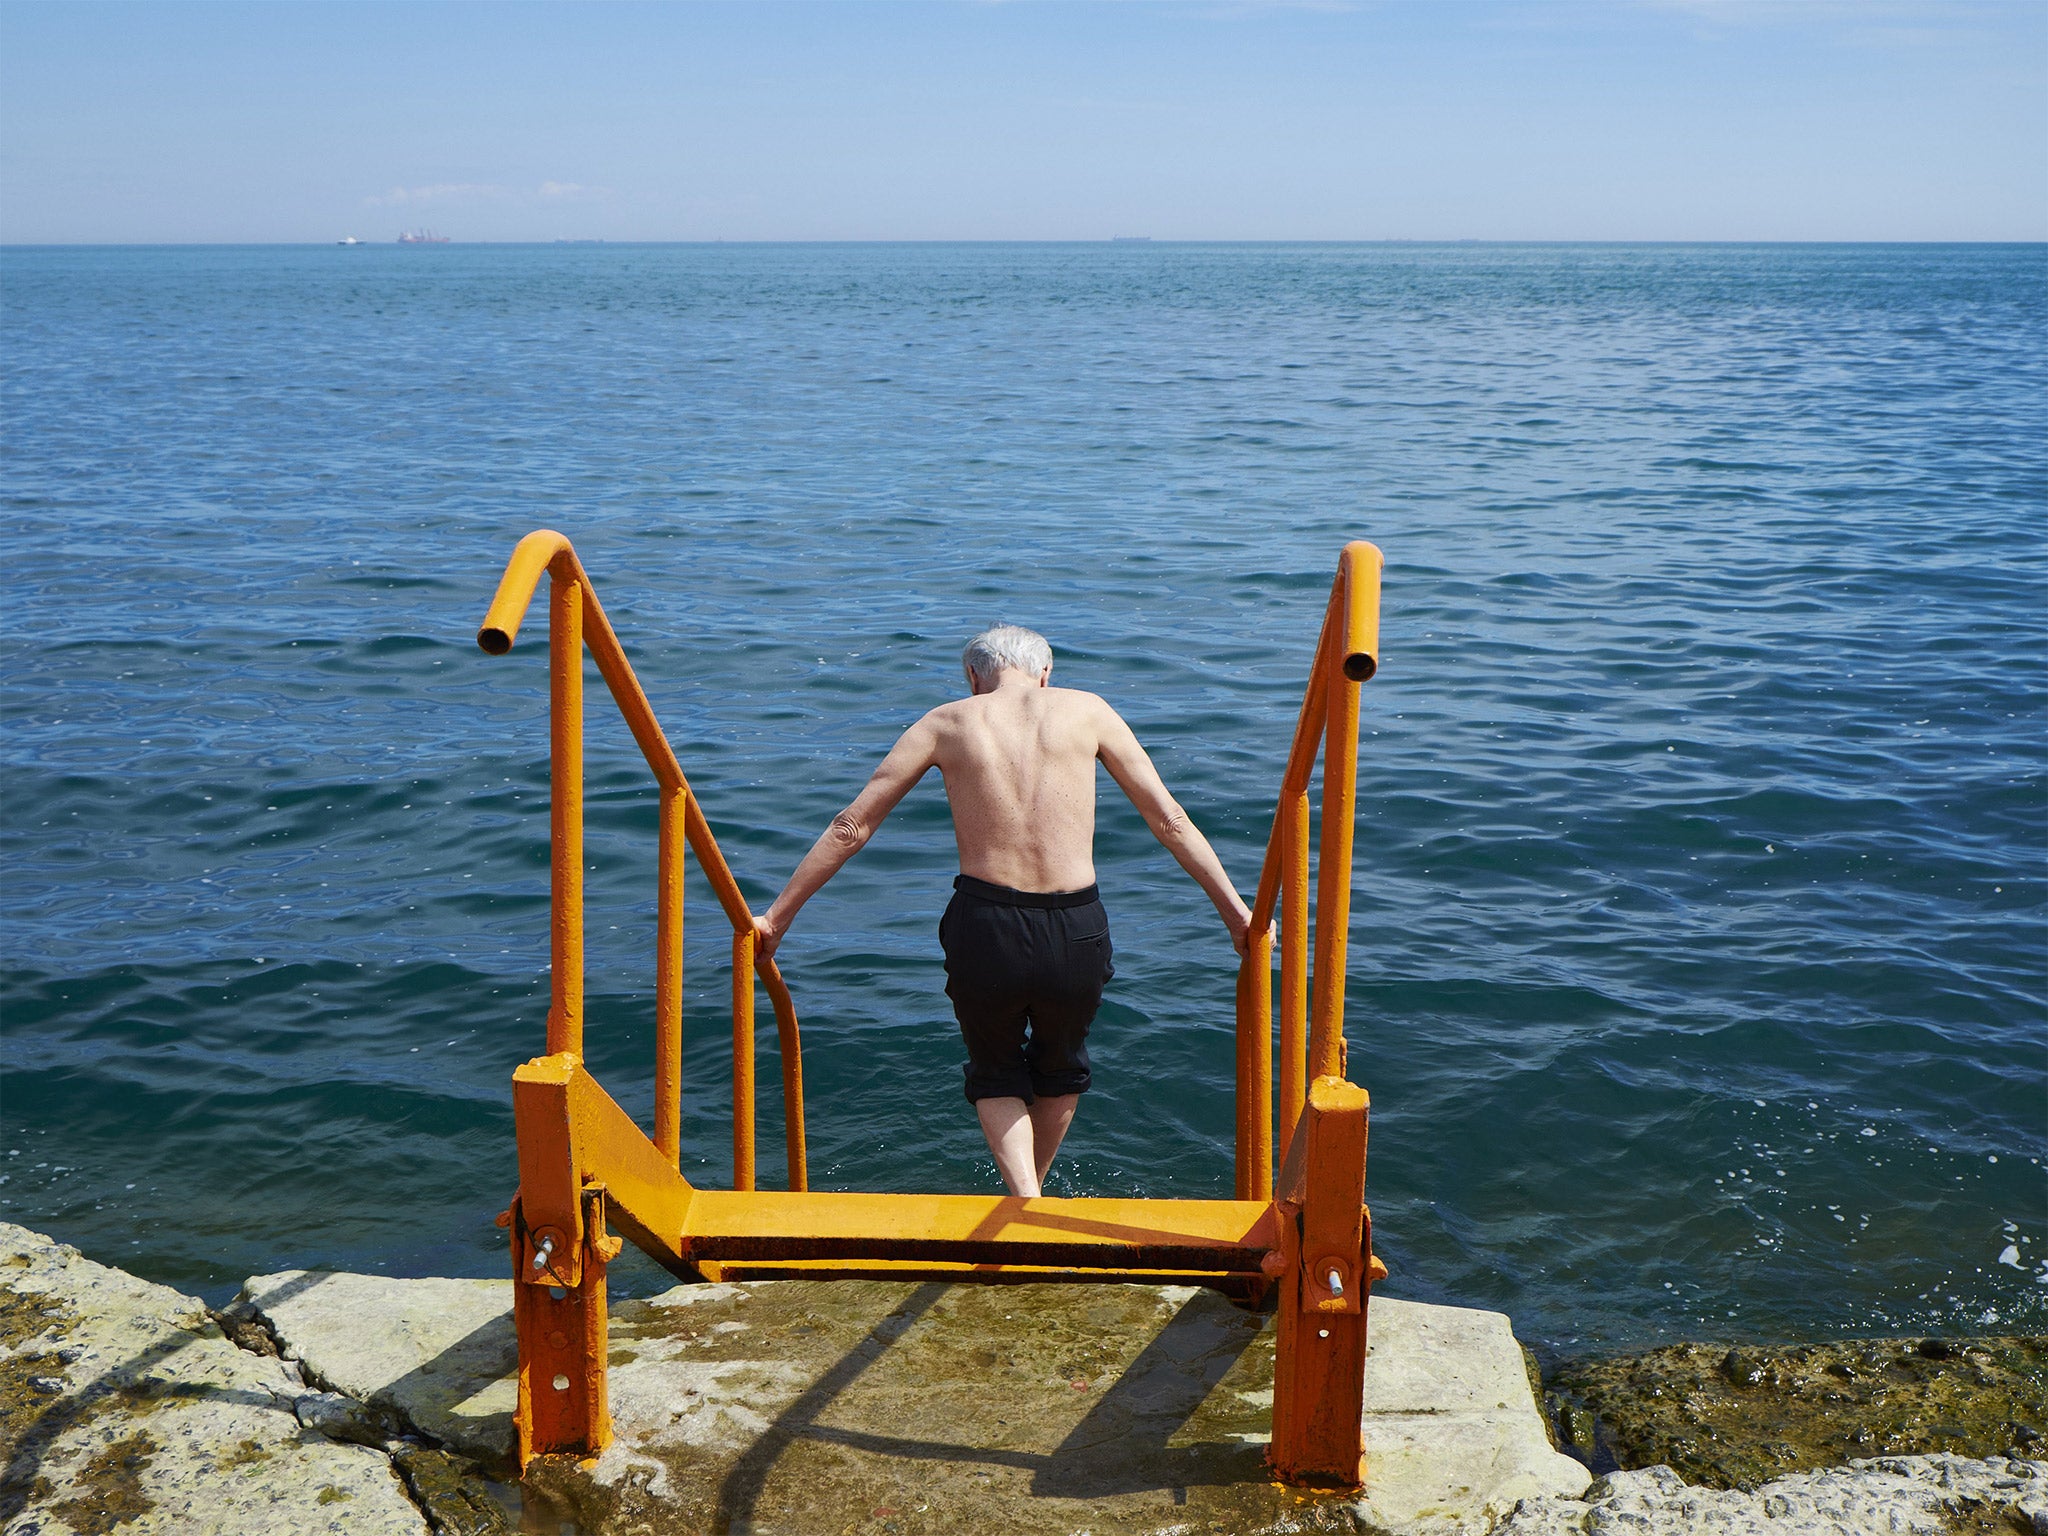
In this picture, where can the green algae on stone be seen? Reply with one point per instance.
(108, 1488)
(1736, 1418)
(23, 1315)
(248, 1454)
(450, 1491)
(24, 1400)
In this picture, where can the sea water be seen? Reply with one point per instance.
(1697, 965)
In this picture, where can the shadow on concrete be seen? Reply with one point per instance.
(425, 1398)
(129, 1386)
(742, 1487)
(1122, 1446)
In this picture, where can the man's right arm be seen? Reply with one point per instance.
(1131, 767)
(916, 750)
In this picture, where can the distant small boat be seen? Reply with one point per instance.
(422, 237)
(351, 240)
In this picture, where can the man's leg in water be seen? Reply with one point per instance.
(1050, 1117)
(1024, 1138)
(1007, 1125)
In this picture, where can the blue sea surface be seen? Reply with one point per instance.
(1699, 969)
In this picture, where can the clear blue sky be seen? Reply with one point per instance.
(1623, 119)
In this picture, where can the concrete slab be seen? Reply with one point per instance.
(440, 1353)
(805, 1407)
(123, 1404)
(1453, 1436)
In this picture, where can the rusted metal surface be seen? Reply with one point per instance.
(562, 1337)
(1239, 1285)
(1324, 1274)
(790, 1045)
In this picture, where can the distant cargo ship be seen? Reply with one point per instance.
(422, 237)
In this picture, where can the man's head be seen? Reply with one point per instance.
(989, 653)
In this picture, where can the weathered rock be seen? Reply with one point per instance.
(806, 1406)
(1734, 1418)
(157, 1422)
(1895, 1495)
(343, 1418)
(441, 1353)
(1452, 1437)
(450, 1490)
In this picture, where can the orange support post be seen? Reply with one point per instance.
(792, 1076)
(1325, 1270)
(743, 1060)
(668, 976)
(1354, 629)
(562, 1404)
(1255, 1069)
(1293, 966)
(1333, 878)
(565, 813)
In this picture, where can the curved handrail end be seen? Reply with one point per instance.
(1358, 578)
(534, 554)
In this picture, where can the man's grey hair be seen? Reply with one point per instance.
(1006, 645)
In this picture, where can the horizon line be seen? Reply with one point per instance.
(24, 245)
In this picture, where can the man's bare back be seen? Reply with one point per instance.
(1018, 758)
(1019, 765)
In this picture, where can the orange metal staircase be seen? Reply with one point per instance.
(585, 1167)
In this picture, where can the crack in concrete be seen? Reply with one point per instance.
(451, 1496)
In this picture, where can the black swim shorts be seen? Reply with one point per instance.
(1025, 971)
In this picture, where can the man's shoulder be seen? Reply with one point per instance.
(952, 709)
(1081, 703)
(1078, 698)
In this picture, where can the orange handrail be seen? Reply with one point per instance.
(577, 621)
(585, 1164)
(1347, 655)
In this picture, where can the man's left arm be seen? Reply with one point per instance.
(915, 752)
(1131, 767)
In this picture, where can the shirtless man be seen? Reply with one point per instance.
(1026, 939)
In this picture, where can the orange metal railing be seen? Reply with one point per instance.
(1311, 1037)
(585, 1165)
(576, 621)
